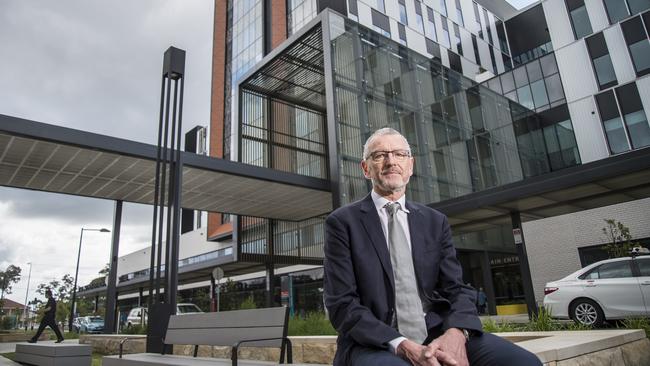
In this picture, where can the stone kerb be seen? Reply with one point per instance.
(568, 348)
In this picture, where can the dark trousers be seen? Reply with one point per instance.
(484, 350)
(48, 321)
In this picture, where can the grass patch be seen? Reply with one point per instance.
(313, 324)
(10, 355)
(637, 323)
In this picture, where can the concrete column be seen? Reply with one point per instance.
(111, 291)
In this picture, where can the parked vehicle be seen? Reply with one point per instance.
(138, 315)
(606, 290)
(91, 324)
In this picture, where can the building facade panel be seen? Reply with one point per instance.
(597, 15)
(578, 79)
(618, 52)
(558, 22)
(588, 130)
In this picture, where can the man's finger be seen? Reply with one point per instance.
(445, 358)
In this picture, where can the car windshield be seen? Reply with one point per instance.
(96, 319)
(184, 309)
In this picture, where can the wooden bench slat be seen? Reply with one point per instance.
(236, 318)
(224, 337)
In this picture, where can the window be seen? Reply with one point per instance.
(633, 115)
(612, 123)
(579, 18)
(459, 14)
(501, 34)
(459, 45)
(477, 56)
(381, 23)
(637, 6)
(443, 7)
(487, 26)
(402, 33)
(381, 6)
(619, 269)
(559, 137)
(454, 62)
(418, 16)
(433, 48)
(492, 59)
(601, 61)
(644, 266)
(402, 12)
(627, 129)
(431, 25)
(446, 41)
(616, 10)
(477, 18)
(638, 45)
(353, 9)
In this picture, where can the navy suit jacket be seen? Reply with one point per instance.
(358, 280)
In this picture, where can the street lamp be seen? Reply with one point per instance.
(26, 294)
(76, 274)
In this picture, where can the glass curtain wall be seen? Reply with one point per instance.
(464, 137)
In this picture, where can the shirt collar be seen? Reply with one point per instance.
(380, 201)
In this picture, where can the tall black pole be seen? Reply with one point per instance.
(111, 290)
(74, 288)
(166, 229)
(527, 282)
(152, 265)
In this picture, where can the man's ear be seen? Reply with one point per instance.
(364, 166)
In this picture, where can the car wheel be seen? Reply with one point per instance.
(587, 312)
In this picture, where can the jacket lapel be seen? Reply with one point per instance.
(372, 225)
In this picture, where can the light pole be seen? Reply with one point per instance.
(26, 294)
(76, 274)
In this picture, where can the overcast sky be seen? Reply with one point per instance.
(93, 65)
(96, 66)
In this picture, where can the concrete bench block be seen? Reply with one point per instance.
(54, 354)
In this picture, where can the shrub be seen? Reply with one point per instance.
(315, 323)
(249, 303)
(543, 322)
(638, 323)
(135, 329)
(491, 326)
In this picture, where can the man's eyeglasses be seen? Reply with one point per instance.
(380, 156)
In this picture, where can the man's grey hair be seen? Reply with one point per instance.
(382, 132)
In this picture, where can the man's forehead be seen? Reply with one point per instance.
(392, 140)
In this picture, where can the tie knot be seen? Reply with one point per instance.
(393, 207)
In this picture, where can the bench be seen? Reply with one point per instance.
(251, 328)
(54, 354)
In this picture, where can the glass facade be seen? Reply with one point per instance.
(464, 137)
(299, 13)
(244, 46)
(536, 85)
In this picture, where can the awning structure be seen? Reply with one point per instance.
(55, 159)
(617, 179)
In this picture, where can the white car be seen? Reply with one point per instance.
(138, 315)
(606, 290)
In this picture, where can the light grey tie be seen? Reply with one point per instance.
(410, 319)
